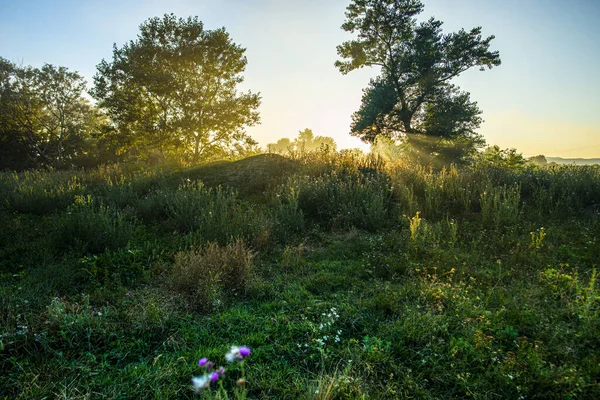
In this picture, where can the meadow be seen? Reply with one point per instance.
(347, 276)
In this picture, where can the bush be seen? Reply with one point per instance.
(344, 201)
(207, 274)
(207, 214)
(92, 227)
(39, 192)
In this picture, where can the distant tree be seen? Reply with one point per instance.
(305, 142)
(412, 99)
(538, 160)
(493, 156)
(282, 146)
(44, 120)
(175, 89)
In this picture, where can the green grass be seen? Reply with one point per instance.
(114, 282)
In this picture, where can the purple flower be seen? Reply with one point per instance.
(214, 376)
(244, 351)
(202, 362)
(237, 353)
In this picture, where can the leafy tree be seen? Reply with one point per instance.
(412, 99)
(305, 142)
(538, 160)
(174, 89)
(20, 113)
(66, 110)
(44, 120)
(283, 145)
(493, 156)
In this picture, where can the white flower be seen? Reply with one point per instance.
(200, 382)
(234, 354)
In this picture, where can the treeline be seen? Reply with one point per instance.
(170, 94)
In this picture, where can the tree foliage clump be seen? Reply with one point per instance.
(44, 118)
(412, 99)
(305, 142)
(175, 89)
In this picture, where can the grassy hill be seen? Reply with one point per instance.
(346, 277)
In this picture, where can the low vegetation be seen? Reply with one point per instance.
(347, 276)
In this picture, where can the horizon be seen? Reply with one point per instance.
(538, 101)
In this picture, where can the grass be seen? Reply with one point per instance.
(347, 277)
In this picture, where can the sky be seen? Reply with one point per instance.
(543, 99)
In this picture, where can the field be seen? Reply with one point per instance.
(347, 277)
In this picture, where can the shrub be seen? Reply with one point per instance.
(345, 200)
(39, 192)
(93, 227)
(204, 275)
(207, 214)
(501, 205)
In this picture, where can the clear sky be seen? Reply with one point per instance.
(543, 99)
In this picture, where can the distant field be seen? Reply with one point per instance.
(347, 277)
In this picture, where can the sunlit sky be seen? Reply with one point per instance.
(543, 99)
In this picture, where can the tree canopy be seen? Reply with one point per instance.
(44, 118)
(412, 99)
(175, 89)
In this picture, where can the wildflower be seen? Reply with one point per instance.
(202, 362)
(200, 382)
(214, 376)
(244, 351)
(237, 353)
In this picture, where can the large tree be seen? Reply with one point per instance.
(412, 99)
(44, 119)
(174, 89)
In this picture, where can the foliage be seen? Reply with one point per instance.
(44, 118)
(538, 160)
(206, 274)
(92, 227)
(175, 88)
(493, 156)
(304, 143)
(412, 99)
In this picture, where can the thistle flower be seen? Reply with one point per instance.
(244, 351)
(237, 353)
(214, 376)
(202, 362)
